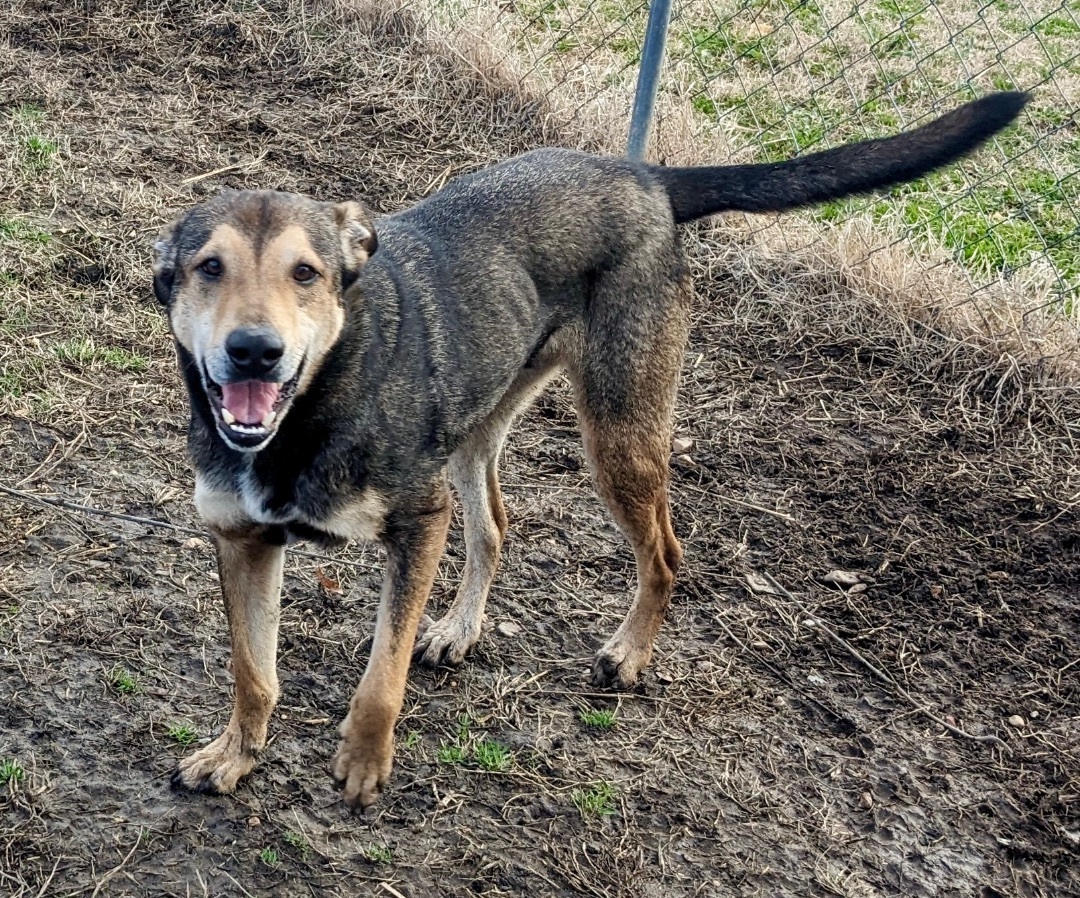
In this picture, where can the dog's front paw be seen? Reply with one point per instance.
(446, 641)
(363, 763)
(218, 767)
(617, 664)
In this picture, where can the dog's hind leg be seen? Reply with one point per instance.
(250, 570)
(474, 473)
(625, 391)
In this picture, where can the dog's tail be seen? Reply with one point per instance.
(844, 171)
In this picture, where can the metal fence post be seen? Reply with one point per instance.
(652, 56)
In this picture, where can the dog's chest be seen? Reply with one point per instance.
(359, 515)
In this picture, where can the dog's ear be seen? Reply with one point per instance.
(164, 265)
(358, 240)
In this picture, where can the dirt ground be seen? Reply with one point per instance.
(761, 755)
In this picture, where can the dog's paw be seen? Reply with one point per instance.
(218, 767)
(617, 665)
(362, 764)
(446, 641)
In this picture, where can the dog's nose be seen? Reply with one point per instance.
(254, 351)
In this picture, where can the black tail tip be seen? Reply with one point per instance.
(1001, 108)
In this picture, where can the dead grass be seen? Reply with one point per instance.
(847, 411)
(772, 79)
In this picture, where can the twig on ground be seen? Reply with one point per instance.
(819, 624)
(104, 879)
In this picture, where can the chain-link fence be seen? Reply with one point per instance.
(766, 79)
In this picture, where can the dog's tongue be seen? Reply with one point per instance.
(249, 401)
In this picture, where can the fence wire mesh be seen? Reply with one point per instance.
(766, 79)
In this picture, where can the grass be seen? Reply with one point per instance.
(38, 151)
(10, 772)
(270, 856)
(183, 734)
(123, 681)
(598, 718)
(378, 854)
(15, 230)
(299, 842)
(776, 78)
(451, 754)
(487, 754)
(596, 800)
(83, 352)
(493, 756)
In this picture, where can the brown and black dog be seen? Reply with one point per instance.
(341, 371)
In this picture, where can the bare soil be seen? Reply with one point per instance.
(761, 754)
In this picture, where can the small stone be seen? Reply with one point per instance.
(681, 445)
(759, 644)
(759, 585)
(1034, 715)
(950, 720)
(254, 821)
(843, 579)
(662, 676)
(866, 800)
(195, 543)
(1017, 721)
(685, 460)
(997, 575)
(856, 589)
(508, 628)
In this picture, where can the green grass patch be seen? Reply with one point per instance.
(10, 771)
(12, 384)
(378, 854)
(485, 753)
(493, 756)
(40, 153)
(1058, 26)
(298, 842)
(270, 856)
(183, 734)
(83, 352)
(17, 231)
(716, 48)
(123, 681)
(596, 800)
(598, 718)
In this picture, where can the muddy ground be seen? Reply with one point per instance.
(761, 754)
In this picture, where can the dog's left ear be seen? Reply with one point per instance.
(358, 239)
(164, 265)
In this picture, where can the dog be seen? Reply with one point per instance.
(342, 370)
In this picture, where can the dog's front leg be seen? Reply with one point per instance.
(366, 752)
(250, 569)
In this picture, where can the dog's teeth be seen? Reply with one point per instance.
(227, 416)
(271, 416)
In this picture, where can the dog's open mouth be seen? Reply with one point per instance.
(249, 411)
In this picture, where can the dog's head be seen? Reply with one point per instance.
(253, 284)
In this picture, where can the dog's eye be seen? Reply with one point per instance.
(211, 267)
(305, 274)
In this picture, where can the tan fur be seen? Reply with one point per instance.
(251, 574)
(259, 289)
(365, 755)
